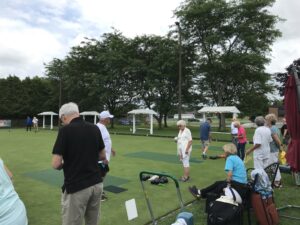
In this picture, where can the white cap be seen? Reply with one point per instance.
(105, 114)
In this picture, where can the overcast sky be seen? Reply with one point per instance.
(33, 32)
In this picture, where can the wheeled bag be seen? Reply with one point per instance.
(264, 209)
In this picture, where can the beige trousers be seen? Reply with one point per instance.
(82, 204)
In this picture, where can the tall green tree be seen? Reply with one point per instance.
(155, 66)
(232, 39)
(94, 74)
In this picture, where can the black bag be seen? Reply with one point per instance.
(224, 211)
(104, 169)
(210, 197)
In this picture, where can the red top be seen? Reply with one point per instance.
(242, 132)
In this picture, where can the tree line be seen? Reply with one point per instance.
(224, 50)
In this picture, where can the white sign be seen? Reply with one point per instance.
(131, 209)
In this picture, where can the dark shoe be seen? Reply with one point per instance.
(204, 156)
(163, 180)
(155, 181)
(184, 179)
(103, 198)
(277, 185)
(145, 177)
(195, 192)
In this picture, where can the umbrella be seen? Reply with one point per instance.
(292, 115)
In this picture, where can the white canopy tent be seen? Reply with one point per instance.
(51, 114)
(219, 109)
(90, 113)
(149, 112)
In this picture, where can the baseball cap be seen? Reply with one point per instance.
(105, 114)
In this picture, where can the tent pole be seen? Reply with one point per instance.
(133, 124)
(151, 124)
(51, 127)
(43, 122)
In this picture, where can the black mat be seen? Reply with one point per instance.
(114, 189)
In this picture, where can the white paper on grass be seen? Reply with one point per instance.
(131, 209)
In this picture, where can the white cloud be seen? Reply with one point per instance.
(25, 48)
(36, 31)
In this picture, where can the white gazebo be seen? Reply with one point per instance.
(51, 114)
(90, 113)
(149, 112)
(219, 109)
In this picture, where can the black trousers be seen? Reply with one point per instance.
(218, 187)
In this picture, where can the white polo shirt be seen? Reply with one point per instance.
(262, 136)
(234, 130)
(182, 141)
(106, 139)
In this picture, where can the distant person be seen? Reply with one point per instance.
(285, 133)
(77, 149)
(242, 139)
(261, 144)
(35, 122)
(236, 176)
(274, 145)
(205, 136)
(12, 209)
(234, 132)
(28, 123)
(104, 121)
(184, 148)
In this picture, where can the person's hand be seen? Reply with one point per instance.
(186, 152)
(113, 152)
(248, 151)
(180, 156)
(105, 161)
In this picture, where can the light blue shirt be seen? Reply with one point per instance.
(237, 167)
(12, 209)
(273, 145)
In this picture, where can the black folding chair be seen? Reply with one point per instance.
(271, 171)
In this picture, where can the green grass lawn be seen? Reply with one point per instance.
(28, 156)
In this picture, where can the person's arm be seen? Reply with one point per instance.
(229, 176)
(276, 139)
(252, 149)
(188, 147)
(113, 151)
(57, 162)
(8, 172)
(285, 133)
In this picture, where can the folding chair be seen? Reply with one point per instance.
(270, 170)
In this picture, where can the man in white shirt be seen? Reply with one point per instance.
(104, 120)
(105, 117)
(261, 140)
(234, 132)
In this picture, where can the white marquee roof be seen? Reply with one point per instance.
(219, 109)
(89, 113)
(47, 114)
(142, 111)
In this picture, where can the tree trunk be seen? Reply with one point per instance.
(221, 116)
(165, 120)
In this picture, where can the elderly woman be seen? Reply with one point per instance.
(261, 140)
(12, 209)
(184, 148)
(274, 145)
(242, 139)
(236, 176)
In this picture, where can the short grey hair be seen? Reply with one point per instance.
(259, 121)
(68, 109)
(181, 123)
(230, 149)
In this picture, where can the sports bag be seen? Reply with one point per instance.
(224, 211)
(264, 210)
